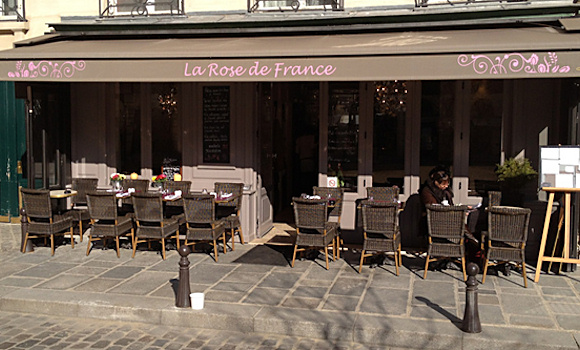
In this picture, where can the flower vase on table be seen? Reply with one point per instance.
(159, 182)
(117, 181)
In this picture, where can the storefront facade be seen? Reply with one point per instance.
(280, 114)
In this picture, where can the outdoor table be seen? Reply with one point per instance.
(59, 196)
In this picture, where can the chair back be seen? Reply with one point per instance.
(102, 205)
(508, 224)
(446, 221)
(388, 194)
(494, 198)
(310, 214)
(148, 207)
(236, 188)
(380, 217)
(140, 185)
(199, 208)
(83, 186)
(337, 193)
(36, 203)
(172, 186)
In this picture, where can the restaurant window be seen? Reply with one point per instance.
(389, 110)
(143, 8)
(12, 10)
(437, 131)
(485, 134)
(130, 126)
(165, 127)
(343, 133)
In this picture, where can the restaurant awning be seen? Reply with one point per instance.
(505, 53)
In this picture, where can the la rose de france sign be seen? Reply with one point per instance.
(276, 70)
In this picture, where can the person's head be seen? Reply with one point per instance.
(440, 178)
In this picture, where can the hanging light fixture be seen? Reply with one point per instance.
(167, 102)
(391, 98)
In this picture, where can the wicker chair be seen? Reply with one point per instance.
(175, 208)
(446, 229)
(494, 198)
(506, 237)
(381, 232)
(151, 223)
(312, 228)
(140, 186)
(41, 220)
(337, 194)
(387, 194)
(201, 222)
(105, 221)
(231, 210)
(79, 211)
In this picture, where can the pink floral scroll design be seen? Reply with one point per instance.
(47, 69)
(513, 63)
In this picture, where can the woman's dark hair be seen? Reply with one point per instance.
(439, 174)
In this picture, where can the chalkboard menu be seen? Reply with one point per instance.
(216, 124)
(170, 171)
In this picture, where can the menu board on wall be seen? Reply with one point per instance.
(560, 166)
(216, 124)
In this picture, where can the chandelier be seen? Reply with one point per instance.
(167, 102)
(390, 98)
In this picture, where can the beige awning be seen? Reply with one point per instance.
(541, 52)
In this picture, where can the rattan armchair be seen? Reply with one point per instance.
(381, 232)
(201, 222)
(151, 223)
(312, 228)
(105, 221)
(79, 211)
(446, 229)
(140, 186)
(494, 198)
(175, 208)
(230, 210)
(387, 194)
(506, 237)
(41, 220)
(337, 196)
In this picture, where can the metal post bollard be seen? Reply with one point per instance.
(23, 229)
(471, 322)
(183, 290)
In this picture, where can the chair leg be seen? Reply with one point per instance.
(72, 238)
(485, 261)
(326, 255)
(117, 244)
(89, 245)
(81, 230)
(52, 244)
(463, 267)
(135, 241)
(426, 267)
(294, 255)
(163, 248)
(362, 258)
(338, 247)
(233, 243)
(397, 261)
(524, 274)
(215, 250)
(241, 235)
(224, 240)
(25, 241)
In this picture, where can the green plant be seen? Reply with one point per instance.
(515, 173)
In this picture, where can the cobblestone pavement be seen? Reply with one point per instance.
(39, 332)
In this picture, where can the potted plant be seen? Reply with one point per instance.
(513, 175)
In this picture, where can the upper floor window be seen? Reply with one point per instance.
(12, 10)
(142, 7)
(295, 5)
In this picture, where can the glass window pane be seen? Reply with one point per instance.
(130, 126)
(390, 109)
(165, 127)
(437, 111)
(485, 134)
(343, 130)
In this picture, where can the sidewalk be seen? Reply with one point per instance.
(244, 294)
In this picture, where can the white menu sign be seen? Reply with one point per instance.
(560, 166)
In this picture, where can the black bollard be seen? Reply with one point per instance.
(23, 229)
(183, 289)
(471, 322)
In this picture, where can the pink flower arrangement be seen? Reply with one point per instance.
(160, 178)
(117, 177)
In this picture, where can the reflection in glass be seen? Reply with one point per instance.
(343, 130)
(390, 109)
(130, 129)
(165, 126)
